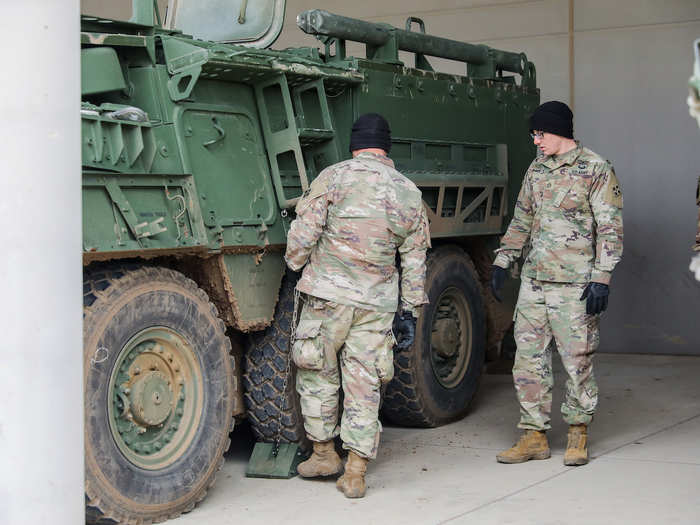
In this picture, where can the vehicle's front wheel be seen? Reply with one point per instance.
(435, 379)
(158, 394)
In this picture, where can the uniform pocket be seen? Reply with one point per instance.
(574, 196)
(320, 304)
(385, 359)
(307, 351)
(561, 194)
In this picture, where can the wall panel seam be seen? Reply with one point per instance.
(453, 10)
(638, 26)
(560, 34)
(572, 85)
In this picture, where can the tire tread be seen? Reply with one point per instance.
(98, 285)
(404, 402)
(265, 365)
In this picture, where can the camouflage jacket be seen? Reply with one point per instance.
(350, 222)
(697, 235)
(569, 215)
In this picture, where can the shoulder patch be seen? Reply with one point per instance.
(318, 187)
(613, 191)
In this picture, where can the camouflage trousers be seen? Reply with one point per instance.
(546, 310)
(360, 341)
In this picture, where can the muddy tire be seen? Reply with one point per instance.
(159, 384)
(267, 401)
(436, 379)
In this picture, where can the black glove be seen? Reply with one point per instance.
(498, 277)
(404, 329)
(597, 297)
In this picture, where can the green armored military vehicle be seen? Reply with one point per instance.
(197, 141)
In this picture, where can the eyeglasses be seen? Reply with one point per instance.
(538, 135)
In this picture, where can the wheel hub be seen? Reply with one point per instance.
(451, 338)
(151, 416)
(445, 337)
(151, 398)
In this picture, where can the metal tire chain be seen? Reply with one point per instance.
(290, 343)
(253, 383)
(288, 369)
(96, 282)
(265, 365)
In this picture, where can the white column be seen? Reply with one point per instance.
(41, 374)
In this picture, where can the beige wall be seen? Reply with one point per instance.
(115, 9)
(632, 69)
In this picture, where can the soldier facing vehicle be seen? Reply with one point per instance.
(350, 224)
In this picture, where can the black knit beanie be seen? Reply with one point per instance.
(553, 117)
(370, 130)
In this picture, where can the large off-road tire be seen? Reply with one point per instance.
(159, 386)
(268, 402)
(435, 380)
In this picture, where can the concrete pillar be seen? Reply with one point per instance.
(41, 375)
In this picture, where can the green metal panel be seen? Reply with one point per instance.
(317, 135)
(222, 145)
(139, 213)
(143, 12)
(257, 23)
(457, 133)
(463, 185)
(117, 145)
(274, 461)
(127, 147)
(254, 283)
(282, 139)
(100, 71)
(148, 97)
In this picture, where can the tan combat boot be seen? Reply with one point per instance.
(577, 446)
(352, 483)
(324, 461)
(532, 445)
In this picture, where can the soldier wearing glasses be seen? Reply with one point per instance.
(569, 216)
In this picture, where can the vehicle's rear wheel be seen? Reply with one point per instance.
(435, 379)
(158, 394)
(269, 403)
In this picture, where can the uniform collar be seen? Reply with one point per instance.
(374, 156)
(569, 158)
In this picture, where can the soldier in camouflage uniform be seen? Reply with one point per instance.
(350, 223)
(694, 108)
(569, 215)
(695, 261)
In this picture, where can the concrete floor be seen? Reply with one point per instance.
(644, 441)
